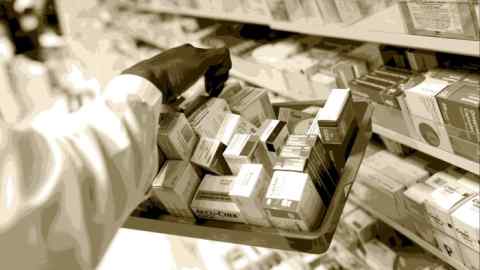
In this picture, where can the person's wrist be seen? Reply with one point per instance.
(146, 73)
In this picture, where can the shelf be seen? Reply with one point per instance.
(453, 159)
(370, 29)
(412, 236)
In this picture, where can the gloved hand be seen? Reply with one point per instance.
(176, 69)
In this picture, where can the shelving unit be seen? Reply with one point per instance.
(412, 236)
(453, 159)
(382, 27)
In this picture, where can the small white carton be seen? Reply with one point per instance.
(273, 133)
(208, 118)
(449, 246)
(246, 149)
(209, 155)
(232, 124)
(213, 200)
(292, 202)
(176, 137)
(379, 256)
(361, 224)
(466, 221)
(248, 191)
(443, 202)
(175, 186)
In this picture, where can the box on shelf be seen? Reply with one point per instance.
(420, 60)
(176, 137)
(212, 200)
(441, 18)
(273, 133)
(295, 10)
(292, 203)
(248, 191)
(208, 118)
(175, 186)
(459, 107)
(233, 124)
(470, 257)
(335, 119)
(448, 246)
(361, 224)
(251, 103)
(403, 170)
(466, 221)
(297, 69)
(321, 85)
(209, 155)
(470, 181)
(312, 12)
(380, 192)
(443, 202)
(395, 147)
(245, 149)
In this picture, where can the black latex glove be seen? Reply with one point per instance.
(176, 69)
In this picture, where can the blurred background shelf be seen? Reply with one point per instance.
(370, 29)
(453, 159)
(412, 236)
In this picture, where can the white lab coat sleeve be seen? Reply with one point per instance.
(68, 182)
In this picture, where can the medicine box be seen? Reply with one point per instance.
(443, 202)
(252, 104)
(248, 192)
(466, 221)
(207, 119)
(213, 201)
(209, 155)
(175, 186)
(176, 137)
(361, 224)
(380, 256)
(293, 117)
(233, 124)
(245, 149)
(336, 117)
(292, 203)
(273, 133)
(448, 246)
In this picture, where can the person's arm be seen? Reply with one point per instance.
(69, 182)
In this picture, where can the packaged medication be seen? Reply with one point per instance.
(466, 221)
(176, 137)
(207, 119)
(273, 133)
(442, 18)
(248, 191)
(448, 246)
(245, 149)
(443, 202)
(379, 256)
(209, 155)
(175, 186)
(336, 117)
(292, 203)
(233, 124)
(213, 201)
(252, 104)
(293, 118)
(459, 104)
(322, 84)
(349, 10)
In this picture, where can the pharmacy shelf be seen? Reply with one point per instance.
(412, 236)
(458, 161)
(382, 27)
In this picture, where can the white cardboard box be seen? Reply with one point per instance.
(175, 186)
(292, 202)
(213, 201)
(431, 133)
(232, 124)
(421, 99)
(442, 203)
(248, 191)
(273, 133)
(176, 137)
(207, 119)
(209, 155)
(379, 256)
(448, 245)
(466, 221)
(471, 259)
(245, 149)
